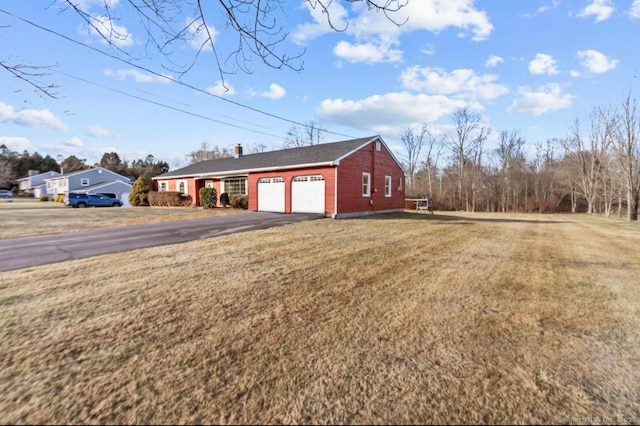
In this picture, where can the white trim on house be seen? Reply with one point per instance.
(366, 187)
(335, 192)
(378, 138)
(228, 173)
(223, 184)
(387, 186)
(184, 182)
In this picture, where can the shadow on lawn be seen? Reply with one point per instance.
(443, 217)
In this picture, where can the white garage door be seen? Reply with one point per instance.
(271, 195)
(307, 194)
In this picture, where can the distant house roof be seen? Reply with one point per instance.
(103, 185)
(39, 176)
(79, 172)
(314, 155)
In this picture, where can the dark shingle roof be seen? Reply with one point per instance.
(285, 158)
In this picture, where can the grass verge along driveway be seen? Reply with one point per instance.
(402, 318)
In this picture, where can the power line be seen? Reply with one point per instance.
(165, 105)
(48, 30)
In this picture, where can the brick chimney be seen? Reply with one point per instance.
(238, 151)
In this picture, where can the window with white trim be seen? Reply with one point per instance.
(84, 182)
(235, 186)
(366, 184)
(181, 187)
(387, 186)
(163, 187)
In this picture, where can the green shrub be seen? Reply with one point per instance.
(44, 198)
(208, 198)
(239, 202)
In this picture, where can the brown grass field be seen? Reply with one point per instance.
(21, 217)
(398, 318)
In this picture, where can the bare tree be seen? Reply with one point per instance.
(259, 28)
(587, 153)
(33, 76)
(307, 135)
(413, 140)
(206, 152)
(430, 165)
(466, 144)
(627, 152)
(511, 161)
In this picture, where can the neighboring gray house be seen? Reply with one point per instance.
(35, 183)
(97, 180)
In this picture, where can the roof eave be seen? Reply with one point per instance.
(225, 173)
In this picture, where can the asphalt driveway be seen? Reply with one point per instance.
(17, 253)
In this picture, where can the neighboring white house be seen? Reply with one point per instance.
(97, 180)
(35, 183)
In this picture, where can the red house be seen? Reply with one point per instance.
(340, 179)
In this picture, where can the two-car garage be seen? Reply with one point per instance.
(307, 194)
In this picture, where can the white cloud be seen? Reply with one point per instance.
(116, 34)
(493, 61)
(542, 9)
(275, 92)
(368, 52)
(596, 62)
(634, 12)
(374, 33)
(85, 4)
(429, 49)
(199, 35)
(575, 73)
(219, 89)
(99, 132)
(383, 113)
(553, 5)
(31, 117)
(430, 15)
(549, 97)
(307, 31)
(138, 76)
(600, 9)
(543, 64)
(463, 82)
(17, 144)
(74, 142)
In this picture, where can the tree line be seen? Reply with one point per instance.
(595, 168)
(14, 165)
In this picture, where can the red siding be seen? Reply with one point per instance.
(329, 186)
(379, 164)
(349, 183)
(193, 187)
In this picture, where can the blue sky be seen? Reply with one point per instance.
(528, 66)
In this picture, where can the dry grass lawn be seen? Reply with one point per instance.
(20, 217)
(402, 318)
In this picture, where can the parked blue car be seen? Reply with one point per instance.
(76, 199)
(5, 193)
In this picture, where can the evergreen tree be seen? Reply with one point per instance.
(140, 190)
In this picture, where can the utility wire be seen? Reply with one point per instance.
(165, 105)
(40, 27)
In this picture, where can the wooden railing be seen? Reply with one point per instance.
(422, 204)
